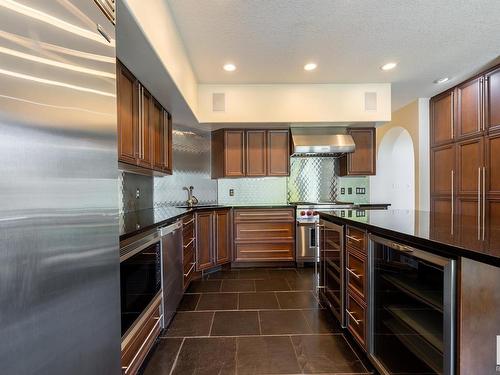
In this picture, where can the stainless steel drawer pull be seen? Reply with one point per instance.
(357, 276)
(354, 238)
(351, 314)
(191, 269)
(189, 222)
(158, 320)
(263, 230)
(189, 243)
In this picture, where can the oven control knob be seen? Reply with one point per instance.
(302, 213)
(309, 213)
(315, 213)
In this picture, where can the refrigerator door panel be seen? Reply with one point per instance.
(59, 258)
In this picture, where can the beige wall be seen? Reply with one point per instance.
(408, 118)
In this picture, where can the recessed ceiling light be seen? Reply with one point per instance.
(442, 80)
(229, 67)
(310, 66)
(388, 66)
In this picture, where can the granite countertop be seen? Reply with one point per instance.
(425, 230)
(135, 222)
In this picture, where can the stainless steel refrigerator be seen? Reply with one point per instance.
(59, 258)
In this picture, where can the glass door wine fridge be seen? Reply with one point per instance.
(331, 268)
(412, 309)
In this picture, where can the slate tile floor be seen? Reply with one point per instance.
(253, 321)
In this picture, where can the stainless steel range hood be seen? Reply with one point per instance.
(321, 141)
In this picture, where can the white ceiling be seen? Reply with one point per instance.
(271, 40)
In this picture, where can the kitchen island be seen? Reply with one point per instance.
(389, 259)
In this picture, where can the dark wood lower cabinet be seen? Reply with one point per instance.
(213, 238)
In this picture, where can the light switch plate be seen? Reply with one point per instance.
(231, 192)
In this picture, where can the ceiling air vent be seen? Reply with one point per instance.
(218, 102)
(370, 101)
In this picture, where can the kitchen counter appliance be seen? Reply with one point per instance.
(172, 269)
(411, 309)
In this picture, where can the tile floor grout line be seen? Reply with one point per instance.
(211, 324)
(356, 354)
(197, 302)
(260, 326)
(296, 355)
(177, 357)
(249, 335)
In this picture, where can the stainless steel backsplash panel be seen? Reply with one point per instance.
(313, 179)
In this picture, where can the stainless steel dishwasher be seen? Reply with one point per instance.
(172, 270)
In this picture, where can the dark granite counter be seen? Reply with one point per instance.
(136, 222)
(429, 232)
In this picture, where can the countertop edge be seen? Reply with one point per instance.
(431, 246)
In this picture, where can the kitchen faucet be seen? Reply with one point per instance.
(192, 200)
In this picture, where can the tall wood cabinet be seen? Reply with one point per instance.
(213, 238)
(250, 153)
(465, 158)
(144, 127)
(362, 162)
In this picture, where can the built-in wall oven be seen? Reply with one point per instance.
(140, 277)
(412, 309)
(331, 274)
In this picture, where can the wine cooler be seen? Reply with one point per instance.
(412, 310)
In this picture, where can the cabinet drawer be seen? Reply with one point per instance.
(356, 238)
(136, 345)
(281, 215)
(188, 219)
(188, 242)
(188, 259)
(264, 231)
(356, 319)
(264, 252)
(356, 273)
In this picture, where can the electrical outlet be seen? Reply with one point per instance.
(360, 213)
(231, 192)
(342, 190)
(137, 193)
(349, 190)
(360, 190)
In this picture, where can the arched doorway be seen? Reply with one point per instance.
(395, 179)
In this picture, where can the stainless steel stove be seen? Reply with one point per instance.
(306, 227)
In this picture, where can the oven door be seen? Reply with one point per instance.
(140, 281)
(306, 246)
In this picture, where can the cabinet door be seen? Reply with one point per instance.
(363, 160)
(442, 170)
(469, 108)
(167, 142)
(442, 118)
(492, 164)
(127, 100)
(442, 219)
(256, 153)
(469, 166)
(204, 240)
(469, 222)
(278, 153)
(222, 236)
(234, 153)
(157, 129)
(145, 158)
(492, 99)
(493, 222)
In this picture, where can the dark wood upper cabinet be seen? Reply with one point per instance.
(469, 166)
(442, 118)
(492, 100)
(278, 152)
(250, 152)
(127, 100)
(223, 236)
(144, 127)
(234, 153)
(362, 162)
(204, 240)
(443, 170)
(256, 153)
(469, 113)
